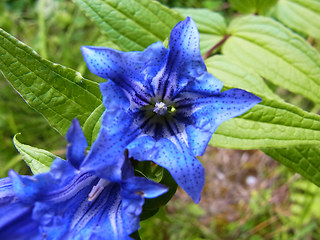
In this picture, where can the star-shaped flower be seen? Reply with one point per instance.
(162, 105)
(68, 203)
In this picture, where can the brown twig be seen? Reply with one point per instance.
(207, 54)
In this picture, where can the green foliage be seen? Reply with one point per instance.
(131, 25)
(303, 159)
(275, 53)
(252, 6)
(235, 75)
(58, 93)
(39, 160)
(300, 15)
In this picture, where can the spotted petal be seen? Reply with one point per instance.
(106, 156)
(184, 64)
(130, 70)
(186, 170)
(211, 112)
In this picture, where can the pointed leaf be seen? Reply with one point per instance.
(275, 53)
(38, 160)
(92, 125)
(300, 15)
(60, 94)
(131, 24)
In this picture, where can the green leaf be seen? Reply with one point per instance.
(234, 75)
(271, 123)
(131, 24)
(302, 16)
(302, 159)
(212, 26)
(38, 160)
(275, 53)
(60, 94)
(252, 6)
(92, 126)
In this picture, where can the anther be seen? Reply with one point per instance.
(97, 189)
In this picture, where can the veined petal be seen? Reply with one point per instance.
(6, 191)
(127, 69)
(184, 64)
(78, 218)
(186, 170)
(77, 144)
(16, 222)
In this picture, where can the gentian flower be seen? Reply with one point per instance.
(162, 105)
(68, 203)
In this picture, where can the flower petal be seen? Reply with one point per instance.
(6, 191)
(16, 222)
(184, 64)
(186, 170)
(142, 187)
(77, 144)
(78, 218)
(127, 69)
(106, 156)
(211, 112)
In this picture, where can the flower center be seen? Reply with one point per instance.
(160, 108)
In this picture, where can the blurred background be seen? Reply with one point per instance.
(247, 194)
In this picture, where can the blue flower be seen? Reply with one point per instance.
(162, 105)
(68, 203)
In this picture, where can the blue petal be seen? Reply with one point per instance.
(16, 222)
(77, 144)
(176, 157)
(34, 188)
(133, 192)
(15, 217)
(184, 64)
(26, 188)
(6, 191)
(106, 156)
(211, 112)
(78, 218)
(141, 186)
(130, 70)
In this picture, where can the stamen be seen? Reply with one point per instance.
(160, 108)
(97, 189)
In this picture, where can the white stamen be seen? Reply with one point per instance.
(160, 108)
(97, 189)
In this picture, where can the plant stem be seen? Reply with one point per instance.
(207, 54)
